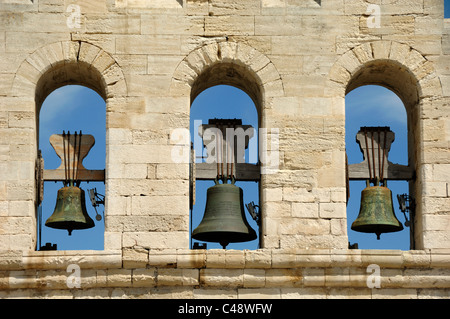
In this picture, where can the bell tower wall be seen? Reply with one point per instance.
(296, 60)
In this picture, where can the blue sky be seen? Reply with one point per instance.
(75, 108)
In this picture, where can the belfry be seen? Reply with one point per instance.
(156, 222)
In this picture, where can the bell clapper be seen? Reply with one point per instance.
(224, 244)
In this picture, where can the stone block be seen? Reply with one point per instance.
(258, 259)
(232, 25)
(142, 223)
(141, 4)
(156, 240)
(435, 189)
(305, 226)
(135, 258)
(388, 25)
(278, 25)
(272, 194)
(197, 8)
(305, 210)
(159, 205)
(254, 278)
(284, 278)
(178, 277)
(222, 277)
(113, 240)
(437, 222)
(332, 210)
(144, 277)
(259, 293)
(99, 24)
(172, 171)
(172, 24)
(118, 277)
(298, 194)
(148, 44)
(233, 7)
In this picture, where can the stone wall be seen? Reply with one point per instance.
(226, 274)
(296, 59)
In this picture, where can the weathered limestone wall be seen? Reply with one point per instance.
(226, 274)
(297, 59)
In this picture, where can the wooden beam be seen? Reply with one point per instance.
(391, 172)
(84, 175)
(244, 171)
(375, 143)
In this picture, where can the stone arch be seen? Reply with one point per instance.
(407, 73)
(68, 62)
(391, 64)
(396, 66)
(64, 63)
(231, 63)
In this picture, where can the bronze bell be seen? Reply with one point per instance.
(376, 214)
(70, 210)
(224, 219)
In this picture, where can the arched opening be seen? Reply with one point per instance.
(219, 101)
(374, 106)
(70, 97)
(72, 108)
(63, 73)
(384, 93)
(240, 66)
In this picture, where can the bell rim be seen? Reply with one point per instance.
(70, 225)
(384, 228)
(222, 236)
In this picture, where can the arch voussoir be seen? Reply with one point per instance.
(69, 62)
(230, 58)
(392, 64)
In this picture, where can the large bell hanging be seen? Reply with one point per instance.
(224, 219)
(70, 210)
(376, 214)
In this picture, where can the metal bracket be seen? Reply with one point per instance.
(192, 173)
(254, 212)
(39, 176)
(96, 200)
(406, 204)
